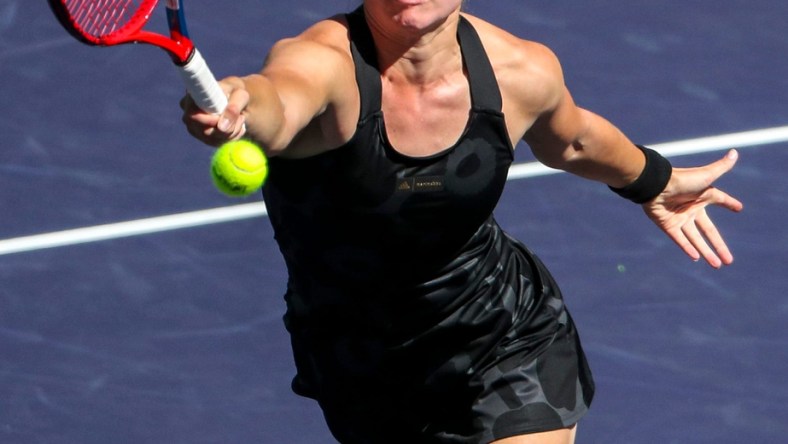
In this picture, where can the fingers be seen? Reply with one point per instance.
(231, 124)
(232, 120)
(215, 129)
(725, 200)
(199, 124)
(699, 238)
(720, 251)
(681, 213)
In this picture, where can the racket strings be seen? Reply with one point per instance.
(102, 17)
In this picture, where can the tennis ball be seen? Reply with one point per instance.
(239, 168)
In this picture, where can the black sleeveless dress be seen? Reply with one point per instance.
(413, 317)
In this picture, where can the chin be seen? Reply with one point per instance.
(416, 16)
(421, 16)
(410, 2)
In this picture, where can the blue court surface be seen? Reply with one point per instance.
(159, 322)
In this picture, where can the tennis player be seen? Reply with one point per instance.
(414, 318)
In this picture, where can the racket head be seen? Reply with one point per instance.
(115, 22)
(103, 22)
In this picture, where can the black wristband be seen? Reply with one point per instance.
(652, 180)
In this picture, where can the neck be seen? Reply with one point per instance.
(415, 52)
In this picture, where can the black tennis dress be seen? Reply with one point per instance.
(414, 318)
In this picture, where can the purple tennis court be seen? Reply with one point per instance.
(139, 305)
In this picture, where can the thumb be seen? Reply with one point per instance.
(237, 100)
(228, 120)
(722, 166)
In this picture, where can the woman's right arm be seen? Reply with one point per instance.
(306, 82)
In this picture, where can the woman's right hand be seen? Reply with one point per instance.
(216, 129)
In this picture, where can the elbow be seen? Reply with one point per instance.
(558, 155)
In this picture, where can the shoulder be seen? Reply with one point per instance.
(314, 77)
(528, 73)
(324, 42)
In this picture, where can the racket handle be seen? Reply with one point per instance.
(202, 85)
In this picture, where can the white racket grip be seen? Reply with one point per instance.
(202, 85)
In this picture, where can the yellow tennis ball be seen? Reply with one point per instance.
(239, 168)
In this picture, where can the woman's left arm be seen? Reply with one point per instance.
(575, 140)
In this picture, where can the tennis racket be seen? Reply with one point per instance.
(117, 22)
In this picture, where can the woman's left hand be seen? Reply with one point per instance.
(680, 210)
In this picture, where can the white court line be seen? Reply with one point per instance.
(746, 139)
(132, 228)
(96, 233)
